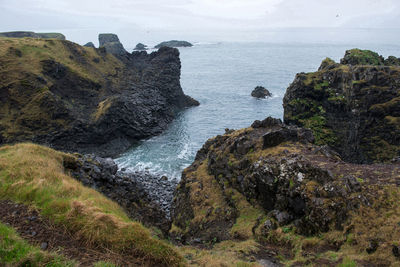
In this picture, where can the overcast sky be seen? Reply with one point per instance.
(205, 20)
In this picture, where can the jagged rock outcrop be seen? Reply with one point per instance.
(353, 107)
(86, 100)
(174, 43)
(140, 47)
(90, 44)
(260, 92)
(112, 44)
(271, 183)
(22, 34)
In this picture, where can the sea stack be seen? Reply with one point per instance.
(260, 92)
(111, 43)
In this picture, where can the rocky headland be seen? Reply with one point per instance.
(174, 43)
(293, 191)
(80, 99)
(352, 106)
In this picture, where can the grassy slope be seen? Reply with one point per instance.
(15, 251)
(21, 66)
(34, 175)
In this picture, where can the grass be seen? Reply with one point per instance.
(14, 251)
(35, 175)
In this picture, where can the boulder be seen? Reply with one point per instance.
(260, 92)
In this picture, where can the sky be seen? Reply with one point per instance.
(152, 21)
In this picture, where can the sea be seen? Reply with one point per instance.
(221, 77)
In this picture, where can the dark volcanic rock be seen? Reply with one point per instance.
(97, 104)
(140, 47)
(277, 183)
(353, 106)
(240, 188)
(112, 44)
(260, 92)
(90, 44)
(142, 197)
(174, 43)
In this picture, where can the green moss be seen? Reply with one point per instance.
(322, 85)
(347, 263)
(322, 134)
(363, 57)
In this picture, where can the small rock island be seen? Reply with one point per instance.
(260, 92)
(174, 43)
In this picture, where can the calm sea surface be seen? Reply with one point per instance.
(221, 76)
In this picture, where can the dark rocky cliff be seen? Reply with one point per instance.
(272, 185)
(82, 99)
(354, 106)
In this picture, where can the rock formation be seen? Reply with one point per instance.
(271, 183)
(90, 44)
(260, 92)
(86, 100)
(112, 44)
(353, 107)
(125, 189)
(140, 47)
(174, 43)
(22, 34)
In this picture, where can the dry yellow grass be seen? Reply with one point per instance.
(34, 175)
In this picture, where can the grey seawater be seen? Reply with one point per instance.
(221, 76)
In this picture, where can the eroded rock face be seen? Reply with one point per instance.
(112, 44)
(280, 182)
(353, 106)
(88, 102)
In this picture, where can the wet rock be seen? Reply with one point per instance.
(260, 92)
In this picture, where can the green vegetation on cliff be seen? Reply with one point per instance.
(345, 106)
(34, 175)
(273, 191)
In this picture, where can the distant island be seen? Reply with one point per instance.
(140, 47)
(22, 34)
(174, 43)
